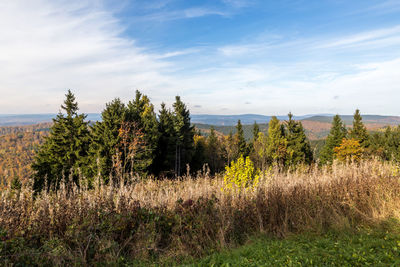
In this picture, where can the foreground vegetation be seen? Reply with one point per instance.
(173, 220)
(378, 246)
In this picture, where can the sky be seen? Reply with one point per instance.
(221, 56)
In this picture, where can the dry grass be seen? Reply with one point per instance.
(191, 216)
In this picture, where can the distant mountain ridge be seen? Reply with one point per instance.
(29, 119)
(309, 121)
(231, 120)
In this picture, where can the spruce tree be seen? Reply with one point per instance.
(299, 149)
(105, 139)
(230, 148)
(64, 153)
(277, 143)
(256, 130)
(337, 133)
(165, 157)
(240, 141)
(213, 151)
(184, 133)
(199, 155)
(359, 132)
(140, 111)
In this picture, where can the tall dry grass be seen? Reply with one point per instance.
(190, 216)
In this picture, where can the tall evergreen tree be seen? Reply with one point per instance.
(165, 159)
(213, 151)
(230, 148)
(277, 143)
(141, 112)
(105, 139)
(359, 131)
(256, 130)
(299, 149)
(240, 141)
(337, 133)
(184, 133)
(65, 151)
(199, 154)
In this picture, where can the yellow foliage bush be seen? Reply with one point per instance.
(349, 149)
(241, 174)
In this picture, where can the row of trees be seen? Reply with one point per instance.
(132, 139)
(129, 139)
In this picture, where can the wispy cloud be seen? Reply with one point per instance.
(188, 13)
(238, 3)
(48, 46)
(385, 36)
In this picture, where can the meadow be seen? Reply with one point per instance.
(195, 218)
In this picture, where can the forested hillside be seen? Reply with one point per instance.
(18, 146)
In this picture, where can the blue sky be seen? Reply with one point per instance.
(221, 56)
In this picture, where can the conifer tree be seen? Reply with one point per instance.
(213, 151)
(141, 112)
(277, 143)
(256, 130)
(337, 133)
(165, 158)
(359, 131)
(260, 152)
(105, 139)
(299, 149)
(199, 154)
(230, 148)
(240, 141)
(184, 133)
(64, 153)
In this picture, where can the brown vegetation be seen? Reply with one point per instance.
(17, 149)
(191, 216)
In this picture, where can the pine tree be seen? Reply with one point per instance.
(359, 132)
(213, 151)
(256, 130)
(105, 139)
(199, 154)
(141, 112)
(337, 133)
(184, 132)
(299, 149)
(260, 152)
(64, 153)
(240, 141)
(165, 158)
(277, 143)
(229, 148)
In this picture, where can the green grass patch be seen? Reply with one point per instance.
(364, 247)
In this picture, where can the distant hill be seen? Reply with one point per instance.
(30, 119)
(348, 119)
(223, 120)
(316, 126)
(231, 120)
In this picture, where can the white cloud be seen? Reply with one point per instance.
(48, 46)
(380, 36)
